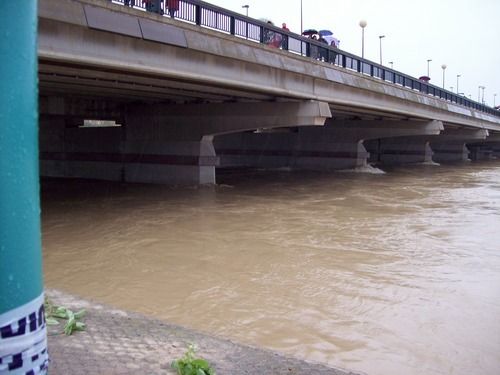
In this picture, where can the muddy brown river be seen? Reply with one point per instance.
(395, 273)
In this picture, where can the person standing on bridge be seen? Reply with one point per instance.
(173, 7)
(284, 39)
(129, 3)
(153, 6)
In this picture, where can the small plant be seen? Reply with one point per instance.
(190, 365)
(54, 312)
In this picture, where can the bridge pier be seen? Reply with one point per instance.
(401, 150)
(451, 145)
(166, 144)
(186, 162)
(408, 143)
(73, 151)
(337, 145)
(347, 141)
(179, 138)
(487, 149)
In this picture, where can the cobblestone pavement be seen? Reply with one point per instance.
(116, 342)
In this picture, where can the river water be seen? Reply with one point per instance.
(395, 273)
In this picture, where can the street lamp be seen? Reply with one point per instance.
(482, 100)
(494, 100)
(444, 68)
(301, 25)
(428, 61)
(246, 6)
(380, 37)
(363, 24)
(392, 64)
(458, 76)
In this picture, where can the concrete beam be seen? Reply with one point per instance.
(193, 121)
(374, 129)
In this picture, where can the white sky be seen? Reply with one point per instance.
(463, 34)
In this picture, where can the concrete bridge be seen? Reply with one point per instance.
(172, 99)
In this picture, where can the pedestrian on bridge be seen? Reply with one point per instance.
(173, 7)
(153, 6)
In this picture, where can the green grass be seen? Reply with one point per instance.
(190, 365)
(55, 313)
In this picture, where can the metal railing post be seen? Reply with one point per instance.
(197, 15)
(232, 26)
(23, 338)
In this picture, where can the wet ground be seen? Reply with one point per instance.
(117, 342)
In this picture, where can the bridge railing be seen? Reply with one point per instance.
(216, 18)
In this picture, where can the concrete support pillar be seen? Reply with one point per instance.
(170, 161)
(329, 148)
(407, 143)
(167, 144)
(176, 141)
(79, 151)
(495, 150)
(450, 145)
(337, 145)
(344, 142)
(260, 149)
(23, 335)
(487, 149)
(400, 150)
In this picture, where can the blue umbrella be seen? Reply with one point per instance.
(325, 32)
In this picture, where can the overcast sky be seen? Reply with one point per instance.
(463, 34)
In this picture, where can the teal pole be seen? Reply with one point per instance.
(22, 323)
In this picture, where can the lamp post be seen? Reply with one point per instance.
(428, 61)
(479, 94)
(392, 64)
(482, 98)
(380, 37)
(246, 6)
(301, 25)
(494, 100)
(444, 68)
(363, 24)
(458, 76)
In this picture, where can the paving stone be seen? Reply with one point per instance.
(117, 342)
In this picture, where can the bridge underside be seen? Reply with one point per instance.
(188, 100)
(185, 144)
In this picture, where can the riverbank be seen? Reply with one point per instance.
(118, 342)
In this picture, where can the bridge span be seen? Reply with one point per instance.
(172, 99)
